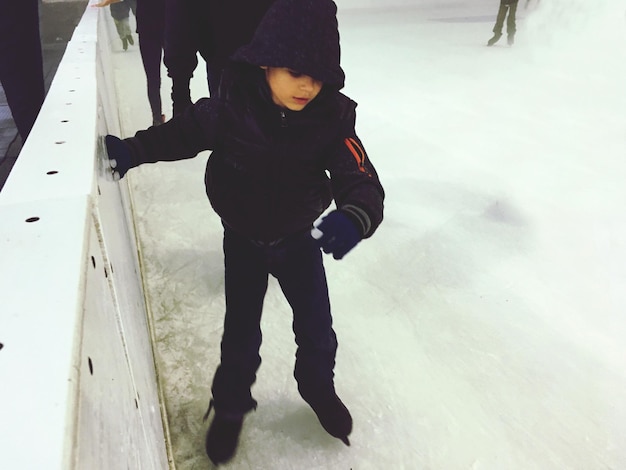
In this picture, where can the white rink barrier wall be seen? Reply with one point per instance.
(78, 387)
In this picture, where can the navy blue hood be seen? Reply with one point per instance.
(301, 35)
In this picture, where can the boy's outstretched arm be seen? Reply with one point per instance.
(180, 138)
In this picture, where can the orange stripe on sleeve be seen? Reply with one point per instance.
(357, 153)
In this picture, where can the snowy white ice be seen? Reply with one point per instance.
(483, 326)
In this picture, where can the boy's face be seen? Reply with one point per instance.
(291, 89)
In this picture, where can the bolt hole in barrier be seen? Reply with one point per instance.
(60, 316)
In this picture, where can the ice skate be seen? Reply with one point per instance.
(222, 436)
(496, 37)
(332, 414)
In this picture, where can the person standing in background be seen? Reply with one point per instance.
(151, 32)
(215, 29)
(150, 15)
(509, 6)
(120, 11)
(21, 61)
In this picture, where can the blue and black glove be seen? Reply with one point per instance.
(120, 156)
(337, 233)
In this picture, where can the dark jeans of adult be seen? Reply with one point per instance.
(511, 7)
(187, 33)
(150, 18)
(296, 262)
(21, 61)
(213, 28)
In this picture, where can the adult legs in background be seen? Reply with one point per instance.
(150, 17)
(497, 29)
(21, 61)
(151, 49)
(510, 7)
(120, 12)
(511, 27)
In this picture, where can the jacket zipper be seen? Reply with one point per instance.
(271, 192)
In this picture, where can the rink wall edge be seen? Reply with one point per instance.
(79, 386)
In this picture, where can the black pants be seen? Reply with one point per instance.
(150, 16)
(511, 7)
(21, 61)
(297, 264)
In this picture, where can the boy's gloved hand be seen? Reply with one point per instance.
(120, 156)
(336, 233)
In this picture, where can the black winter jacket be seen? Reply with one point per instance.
(272, 171)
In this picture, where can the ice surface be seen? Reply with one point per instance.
(483, 326)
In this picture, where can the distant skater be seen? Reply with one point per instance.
(120, 11)
(509, 6)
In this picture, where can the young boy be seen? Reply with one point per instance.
(279, 127)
